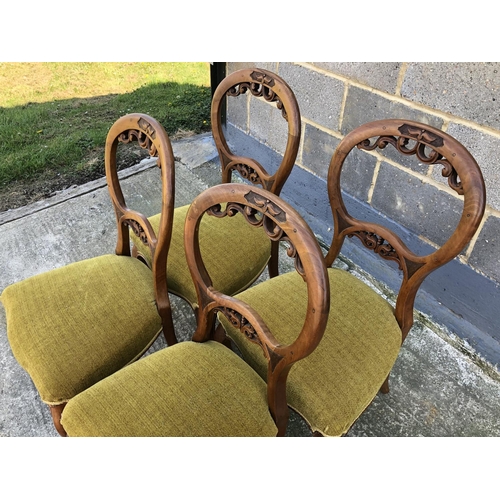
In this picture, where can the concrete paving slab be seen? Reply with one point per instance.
(438, 386)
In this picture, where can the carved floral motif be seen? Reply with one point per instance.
(247, 172)
(422, 145)
(266, 206)
(137, 229)
(260, 87)
(378, 245)
(452, 175)
(261, 217)
(421, 135)
(144, 138)
(147, 127)
(262, 78)
(239, 321)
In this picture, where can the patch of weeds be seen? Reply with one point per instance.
(54, 118)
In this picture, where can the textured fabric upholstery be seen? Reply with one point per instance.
(234, 252)
(333, 386)
(70, 327)
(188, 389)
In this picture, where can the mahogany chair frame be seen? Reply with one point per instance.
(346, 334)
(145, 130)
(281, 223)
(431, 146)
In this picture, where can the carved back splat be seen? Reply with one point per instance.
(281, 223)
(431, 146)
(269, 86)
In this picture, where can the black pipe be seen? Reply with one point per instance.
(217, 74)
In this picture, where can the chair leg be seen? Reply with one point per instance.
(385, 386)
(56, 411)
(272, 265)
(168, 325)
(221, 337)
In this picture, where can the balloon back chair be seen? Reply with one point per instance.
(73, 326)
(200, 387)
(233, 266)
(333, 386)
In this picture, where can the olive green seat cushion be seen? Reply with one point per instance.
(333, 386)
(188, 389)
(234, 252)
(72, 326)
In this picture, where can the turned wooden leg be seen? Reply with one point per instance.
(385, 386)
(56, 412)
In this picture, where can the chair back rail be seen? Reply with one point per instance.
(266, 84)
(431, 146)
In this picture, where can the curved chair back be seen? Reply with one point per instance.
(280, 222)
(268, 85)
(150, 135)
(431, 146)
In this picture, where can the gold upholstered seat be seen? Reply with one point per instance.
(361, 343)
(156, 397)
(233, 265)
(74, 325)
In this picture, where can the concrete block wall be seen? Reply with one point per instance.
(462, 99)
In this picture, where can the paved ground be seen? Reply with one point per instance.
(436, 388)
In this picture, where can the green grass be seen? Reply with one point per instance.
(54, 117)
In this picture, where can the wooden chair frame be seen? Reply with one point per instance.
(431, 146)
(464, 177)
(149, 135)
(259, 83)
(145, 131)
(281, 223)
(355, 356)
(266, 84)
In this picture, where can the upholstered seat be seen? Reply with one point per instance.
(333, 386)
(236, 255)
(73, 326)
(157, 396)
(200, 387)
(360, 344)
(70, 327)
